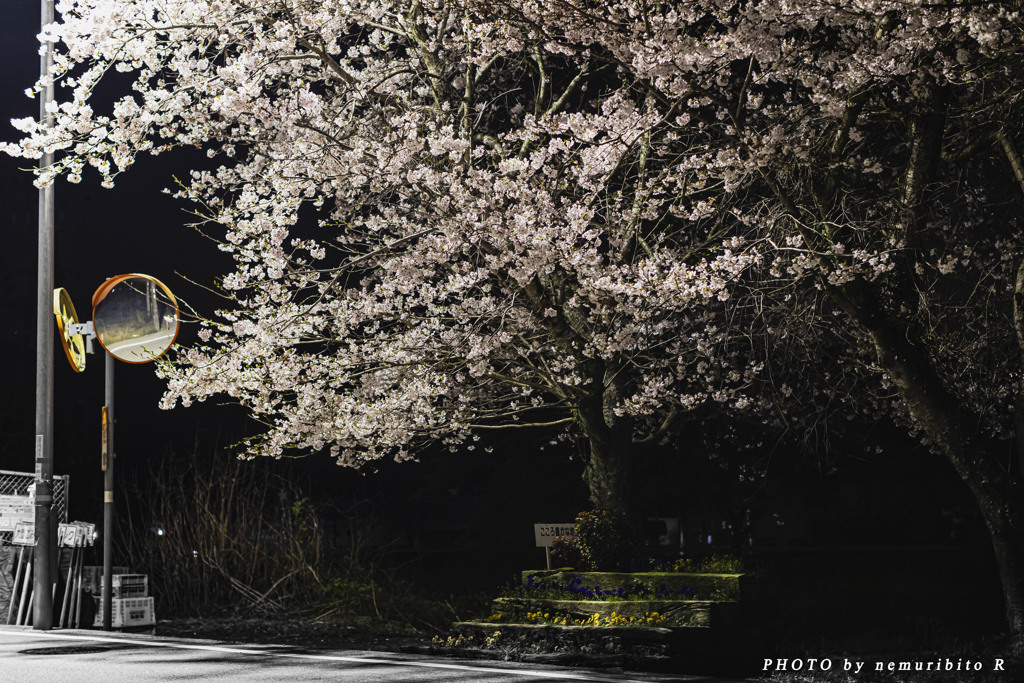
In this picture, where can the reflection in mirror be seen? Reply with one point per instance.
(136, 318)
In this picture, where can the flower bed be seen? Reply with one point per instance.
(576, 589)
(670, 612)
(571, 584)
(515, 639)
(696, 620)
(573, 618)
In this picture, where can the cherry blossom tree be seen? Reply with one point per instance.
(871, 145)
(457, 216)
(442, 224)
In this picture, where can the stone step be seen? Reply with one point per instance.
(626, 635)
(676, 612)
(720, 587)
(692, 649)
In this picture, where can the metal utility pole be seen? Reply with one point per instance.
(44, 533)
(108, 493)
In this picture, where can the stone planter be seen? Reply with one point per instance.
(675, 612)
(724, 587)
(707, 623)
(728, 625)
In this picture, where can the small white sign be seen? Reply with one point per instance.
(545, 534)
(24, 534)
(75, 534)
(14, 510)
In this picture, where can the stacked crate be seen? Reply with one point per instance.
(92, 578)
(131, 604)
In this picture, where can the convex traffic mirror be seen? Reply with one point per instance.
(135, 317)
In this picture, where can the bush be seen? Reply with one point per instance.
(715, 564)
(603, 542)
(218, 535)
(712, 564)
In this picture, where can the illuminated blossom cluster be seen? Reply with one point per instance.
(455, 215)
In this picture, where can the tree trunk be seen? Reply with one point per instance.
(1018, 326)
(954, 432)
(1003, 518)
(950, 425)
(608, 473)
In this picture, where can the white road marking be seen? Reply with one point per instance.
(530, 673)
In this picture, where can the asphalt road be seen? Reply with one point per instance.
(81, 656)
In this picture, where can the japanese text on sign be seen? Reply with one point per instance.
(545, 534)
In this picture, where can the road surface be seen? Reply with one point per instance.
(82, 656)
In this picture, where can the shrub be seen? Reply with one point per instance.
(712, 564)
(603, 542)
(576, 589)
(219, 535)
(715, 564)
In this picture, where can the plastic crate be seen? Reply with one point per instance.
(92, 577)
(129, 585)
(127, 612)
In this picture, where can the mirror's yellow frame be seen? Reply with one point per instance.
(74, 344)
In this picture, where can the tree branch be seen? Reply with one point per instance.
(542, 89)
(573, 86)
(737, 117)
(668, 423)
(1016, 163)
(553, 423)
(980, 142)
(925, 152)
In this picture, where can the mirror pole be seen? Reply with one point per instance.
(108, 495)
